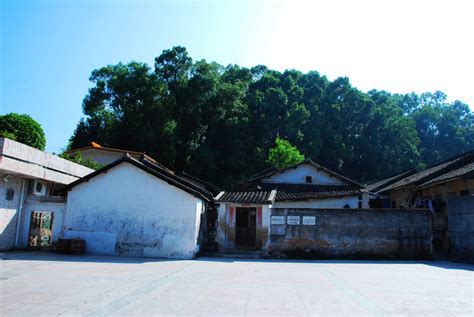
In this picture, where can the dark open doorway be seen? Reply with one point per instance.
(245, 227)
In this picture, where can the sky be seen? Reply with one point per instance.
(48, 49)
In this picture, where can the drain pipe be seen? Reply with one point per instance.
(19, 213)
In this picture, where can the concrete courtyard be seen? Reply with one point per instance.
(34, 284)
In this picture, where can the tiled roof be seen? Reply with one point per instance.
(152, 168)
(387, 181)
(462, 171)
(432, 172)
(247, 196)
(199, 182)
(97, 147)
(295, 192)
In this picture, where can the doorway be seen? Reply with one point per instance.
(245, 227)
(41, 226)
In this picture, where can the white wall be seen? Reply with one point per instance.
(130, 212)
(298, 175)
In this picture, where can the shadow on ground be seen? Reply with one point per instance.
(49, 256)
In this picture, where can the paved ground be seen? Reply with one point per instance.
(47, 284)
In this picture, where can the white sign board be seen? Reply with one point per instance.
(309, 220)
(277, 220)
(293, 220)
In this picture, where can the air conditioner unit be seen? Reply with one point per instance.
(39, 188)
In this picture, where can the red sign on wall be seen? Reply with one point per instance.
(259, 215)
(231, 216)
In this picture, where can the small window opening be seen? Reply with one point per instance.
(10, 194)
(309, 180)
(464, 192)
(359, 203)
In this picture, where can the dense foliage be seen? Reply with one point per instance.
(22, 128)
(284, 154)
(79, 159)
(219, 123)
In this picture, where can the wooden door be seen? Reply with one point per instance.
(245, 227)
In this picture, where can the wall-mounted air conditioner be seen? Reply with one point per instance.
(39, 188)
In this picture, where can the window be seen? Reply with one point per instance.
(464, 192)
(359, 204)
(394, 204)
(309, 180)
(9, 194)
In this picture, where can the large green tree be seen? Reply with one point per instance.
(24, 129)
(220, 122)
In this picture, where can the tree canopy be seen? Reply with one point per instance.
(284, 154)
(219, 122)
(22, 128)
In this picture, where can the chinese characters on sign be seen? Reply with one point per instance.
(293, 220)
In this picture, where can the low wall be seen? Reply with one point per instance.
(461, 227)
(350, 233)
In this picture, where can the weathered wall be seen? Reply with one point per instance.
(461, 227)
(353, 233)
(100, 156)
(298, 175)
(225, 235)
(449, 189)
(127, 211)
(9, 211)
(352, 201)
(401, 197)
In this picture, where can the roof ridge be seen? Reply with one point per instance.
(452, 163)
(158, 172)
(274, 170)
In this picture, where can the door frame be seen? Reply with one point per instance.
(38, 246)
(249, 231)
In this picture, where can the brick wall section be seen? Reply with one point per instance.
(461, 227)
(353, 233)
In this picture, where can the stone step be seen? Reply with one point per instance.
(236, 255)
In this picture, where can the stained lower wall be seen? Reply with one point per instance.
(461, 227)
(351, 233)
(129, 212)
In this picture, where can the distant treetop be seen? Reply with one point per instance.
(24, 129)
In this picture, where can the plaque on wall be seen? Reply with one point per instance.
(293, 220)
(309, 220)
(277, 220)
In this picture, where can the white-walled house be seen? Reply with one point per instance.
(244, 215)
(136, 208)
(31, 206)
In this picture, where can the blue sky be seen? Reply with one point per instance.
(49, 48)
